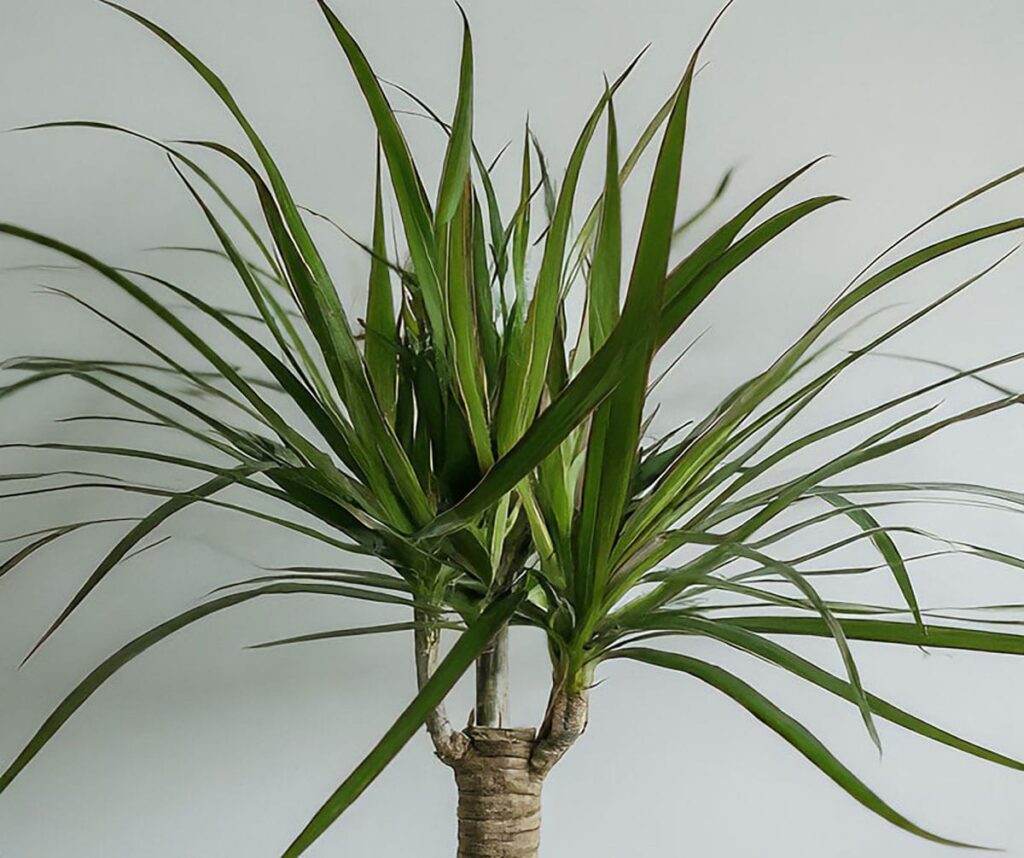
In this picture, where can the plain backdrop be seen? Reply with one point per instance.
(202, 748)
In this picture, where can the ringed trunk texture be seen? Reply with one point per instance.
(499, 794)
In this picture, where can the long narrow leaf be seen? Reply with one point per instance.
(795, 733)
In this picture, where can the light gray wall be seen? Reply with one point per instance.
(203, 749)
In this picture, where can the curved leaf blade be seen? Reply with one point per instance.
(795, 733)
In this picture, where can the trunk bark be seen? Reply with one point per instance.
(499, 794)
(499, 771)
(492, 683)
(449, 745)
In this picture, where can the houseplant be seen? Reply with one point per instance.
(495, 456)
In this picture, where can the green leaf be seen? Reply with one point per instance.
(594, 381)
(275, 274)
(606, 270)
(275, 271)
(887, 631)
(795, 402)
(761, 647)
(885, 545)
(323, 306)
(383, 460)
(698, 215)
(330, 426)
(257, 292)
(527, 372)
(27, 551)
(521, 230)
(359, 631)
(455, 171)
(412, 200)
(795, 733)
(143, 528)
(966, 198)
(381, 347)
(465, 317)
(615, 426)
(84, 690)
(685, 293)
(225, 368)
(683, 274)
(582, 244)
(341, 346)
(592, 384)
(378, 580)
(791, 575)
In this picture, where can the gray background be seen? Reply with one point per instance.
(203, 749)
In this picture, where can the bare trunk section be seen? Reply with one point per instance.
(499, 794)
(500, 777)
(499, 771)
(492, 683)
(449, 745)
(564, 723)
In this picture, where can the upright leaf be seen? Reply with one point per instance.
(381, 346)
(615, 427)
(408, 187)
(606, 269)
(466, 326)
(455, 171)
(527, 373)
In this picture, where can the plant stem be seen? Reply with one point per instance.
(449, 744)
(492, 683)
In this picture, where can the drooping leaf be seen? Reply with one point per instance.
(146, 526)
(795, 733)
(85, 689)
(887, 631)
(886, 547)
(762, 647)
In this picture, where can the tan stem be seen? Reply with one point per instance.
(565, 722)
(449, 745)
